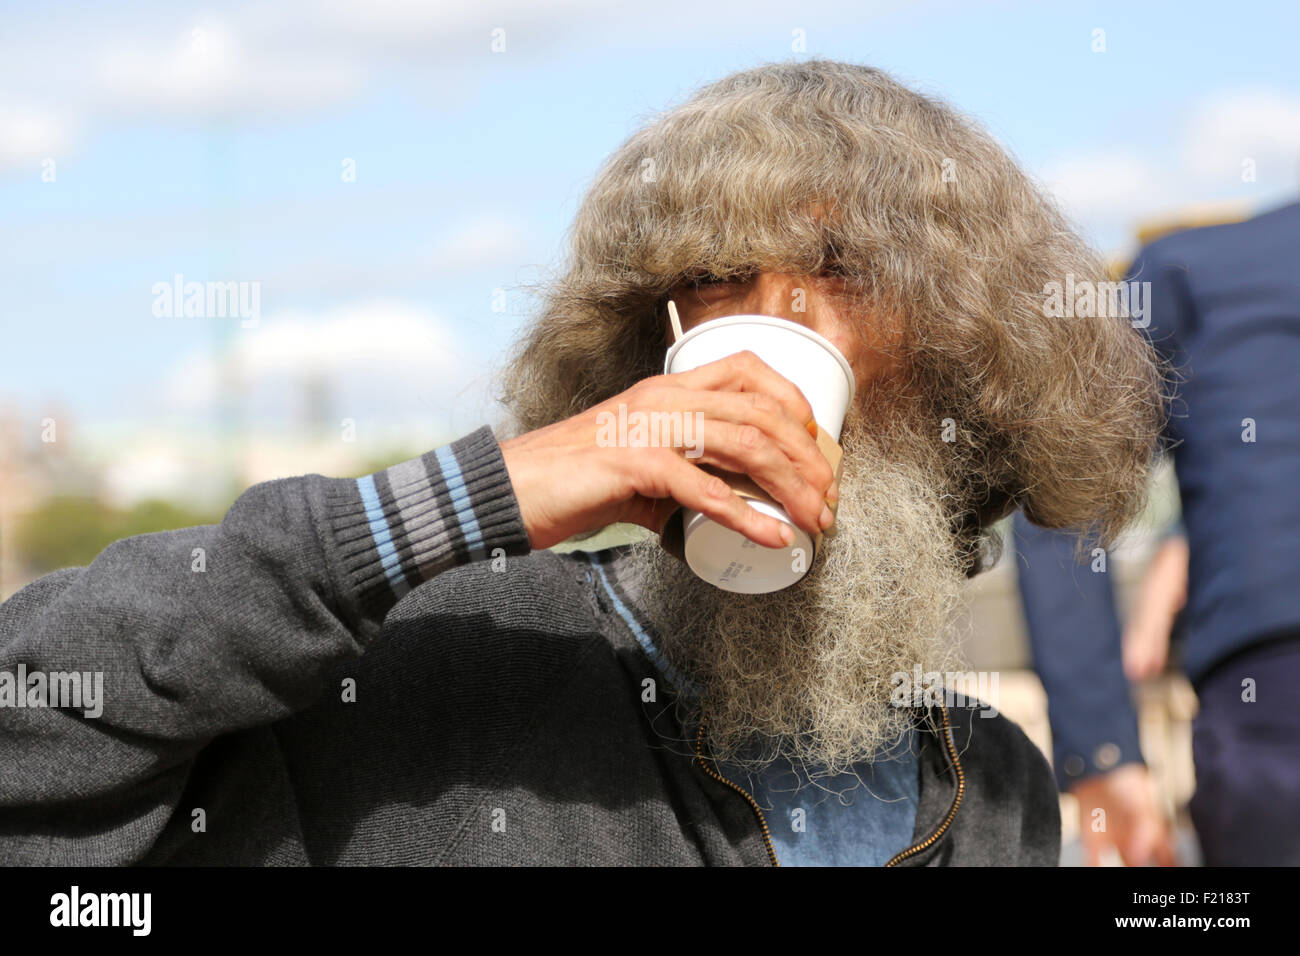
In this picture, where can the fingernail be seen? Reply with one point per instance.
(826, 518)
(833, 493)
(787, 535)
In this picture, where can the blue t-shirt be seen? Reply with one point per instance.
(851, 819)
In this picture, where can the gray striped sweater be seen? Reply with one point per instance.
(380, 671)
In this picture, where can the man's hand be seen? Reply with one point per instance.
(753, 421)
(1132, 822)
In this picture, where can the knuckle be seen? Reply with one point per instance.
(754, 519)
(750, 437)
(714, 486)
(824, 474)
(762, 402)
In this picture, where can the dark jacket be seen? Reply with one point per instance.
(377, 671)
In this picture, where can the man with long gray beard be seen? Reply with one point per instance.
(812, 673)
(398, 669)
(799, 688)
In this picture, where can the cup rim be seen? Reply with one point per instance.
(725, 320)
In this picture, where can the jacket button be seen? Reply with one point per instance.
(1073, 765)
(1107, 756)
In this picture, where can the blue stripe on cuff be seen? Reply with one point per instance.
(383, 536)
(460, 501)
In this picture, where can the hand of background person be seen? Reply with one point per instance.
(1132, 823)
(754, 421)
(1161, 596)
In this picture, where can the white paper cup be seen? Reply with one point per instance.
(726, 558)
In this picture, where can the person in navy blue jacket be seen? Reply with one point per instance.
(1224, 309)
(1075, 645)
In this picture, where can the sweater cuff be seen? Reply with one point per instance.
(401, 526)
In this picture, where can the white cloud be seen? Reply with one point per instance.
(260, 59)
(211, 70)
(1110, 191)
(1104, 183)
(257, 60)
(477, 243)
(148, 468)
(396, 370)
(378, 28)
(1263, 125)
(30, 134)
(384, 361)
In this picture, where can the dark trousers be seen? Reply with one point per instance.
(1246, 808)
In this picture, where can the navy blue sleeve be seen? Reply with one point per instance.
(1074, 640)
(1168, 316)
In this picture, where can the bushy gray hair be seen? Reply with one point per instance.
(804, 167)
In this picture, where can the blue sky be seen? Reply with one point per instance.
(208, 140)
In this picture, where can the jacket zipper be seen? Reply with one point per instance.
(910, 851)
(952, 811)
(762, 822)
